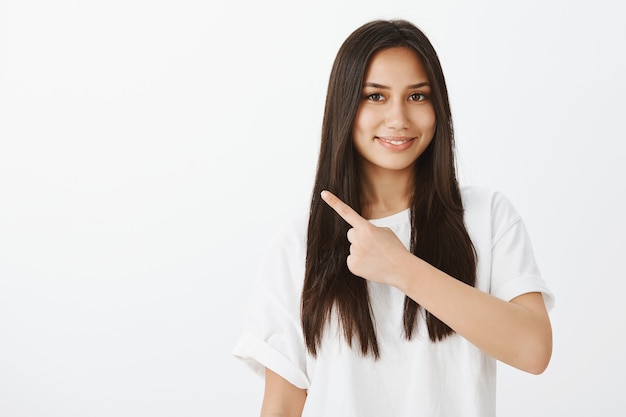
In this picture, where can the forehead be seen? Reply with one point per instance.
(397, 63)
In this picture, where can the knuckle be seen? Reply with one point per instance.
(351, 264)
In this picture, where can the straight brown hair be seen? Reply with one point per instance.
(438, 235)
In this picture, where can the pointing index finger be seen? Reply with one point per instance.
(346, 212)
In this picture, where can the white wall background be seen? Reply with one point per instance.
(148, 148)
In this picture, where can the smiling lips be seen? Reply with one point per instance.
(395, 143)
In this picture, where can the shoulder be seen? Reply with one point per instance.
(488, 207)
(475, 197)
(282, 266)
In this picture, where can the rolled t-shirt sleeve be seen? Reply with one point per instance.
(272, 334)
(514, 269)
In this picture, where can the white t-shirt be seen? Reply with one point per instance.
(414, 377)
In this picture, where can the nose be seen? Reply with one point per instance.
(397, 116)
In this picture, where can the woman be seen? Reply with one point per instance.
(398, 292)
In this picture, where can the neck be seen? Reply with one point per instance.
(386, 192)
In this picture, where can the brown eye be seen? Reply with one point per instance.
(375, 97)
(417, 97)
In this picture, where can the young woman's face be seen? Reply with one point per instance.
(395, 121)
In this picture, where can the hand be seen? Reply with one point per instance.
(376, 253)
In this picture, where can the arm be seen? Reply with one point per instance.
(281, 398)
(517, 332)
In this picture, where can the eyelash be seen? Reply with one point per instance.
(379, 97)
(422, 96)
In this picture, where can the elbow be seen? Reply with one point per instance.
(536, 357)
(530, 342)
(538, 365)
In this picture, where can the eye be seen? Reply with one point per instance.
(375, 97)
(417, 97)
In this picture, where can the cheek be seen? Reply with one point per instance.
(364, 120)
(426, 120)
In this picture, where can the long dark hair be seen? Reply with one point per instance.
(438, 233)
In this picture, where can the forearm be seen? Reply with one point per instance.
(517, 332)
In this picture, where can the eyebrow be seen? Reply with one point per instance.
(384, 87)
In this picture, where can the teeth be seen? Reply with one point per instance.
(395, 142)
